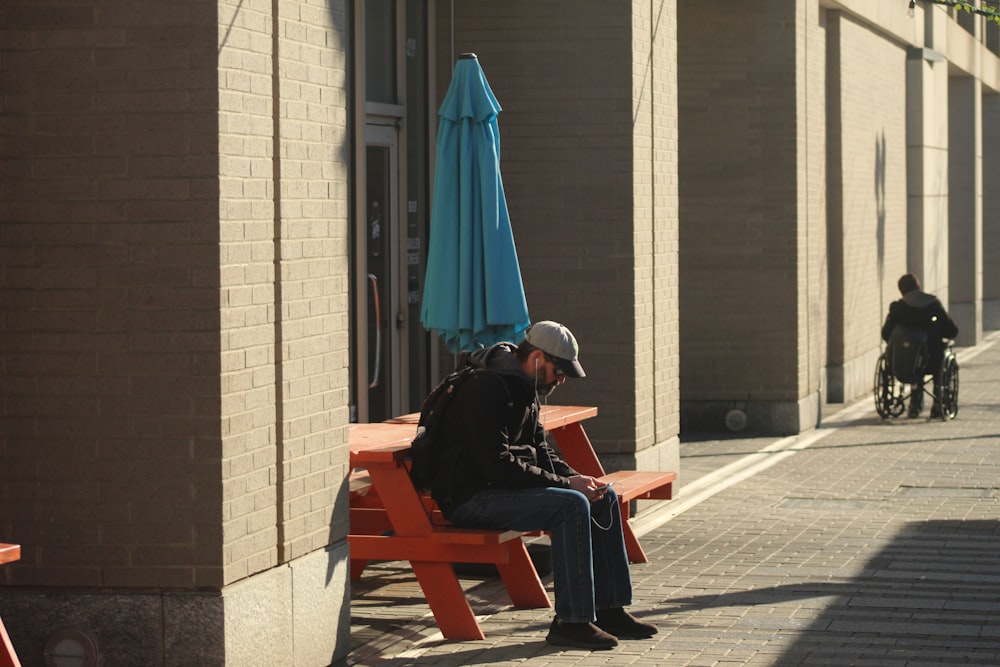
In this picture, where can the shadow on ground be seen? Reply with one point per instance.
(931, 596)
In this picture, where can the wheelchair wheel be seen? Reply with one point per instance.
(887, 391)
(949, 388)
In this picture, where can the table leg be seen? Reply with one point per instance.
(520, 578)
(636, 554)
(577, 450)
(367, 521)
(8, 658)
(447, 600)
(357, 568)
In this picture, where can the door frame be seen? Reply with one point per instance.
(365, 114)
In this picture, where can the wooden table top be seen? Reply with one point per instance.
(552, 416)
(9, 552)
(389, 441)
(380, 441)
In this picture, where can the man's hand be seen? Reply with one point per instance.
(588, 486)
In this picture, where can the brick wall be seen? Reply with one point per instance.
(754, 228)
(868, 181)
(109, 345)
(140, 296)
(991, 211)
(313, 173)
(873, 141)
(284, 347)
(813, 264)
(247, 290)
(173, 410)
(965, 208)
(655, 218)
(739, 261)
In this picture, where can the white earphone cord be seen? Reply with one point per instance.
(552, 468)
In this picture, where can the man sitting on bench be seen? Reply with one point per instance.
(498, 472)
(920, 310)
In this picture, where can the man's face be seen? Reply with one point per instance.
(548, 376)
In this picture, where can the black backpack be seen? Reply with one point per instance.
(427, 449)
(908, 354)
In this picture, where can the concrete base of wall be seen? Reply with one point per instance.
(991, 315)
(296, 615)
(664, 456)
(758, 417)
(853, 379)
(969, 318)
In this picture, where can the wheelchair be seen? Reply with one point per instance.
(903, 363)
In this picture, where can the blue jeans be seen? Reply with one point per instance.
(590, 567)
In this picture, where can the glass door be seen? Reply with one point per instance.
(378, 355)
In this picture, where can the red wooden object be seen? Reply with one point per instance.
(8, 658)
(395, 522)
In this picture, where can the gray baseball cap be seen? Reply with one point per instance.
(558, 342)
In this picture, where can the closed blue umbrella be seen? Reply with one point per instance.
(473, 294)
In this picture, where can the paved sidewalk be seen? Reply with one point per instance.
(860, 543)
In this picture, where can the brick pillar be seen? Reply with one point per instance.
(172, 443)
(927, 153)
(965, 213)
(743, 217)
(991, 212)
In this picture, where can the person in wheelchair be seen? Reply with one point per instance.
(922, 311)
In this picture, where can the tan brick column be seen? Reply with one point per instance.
(744, 210)
(991, 211)
(172, 444)
(965, 213)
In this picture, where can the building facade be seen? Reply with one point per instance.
(215, 214)
(825, 149)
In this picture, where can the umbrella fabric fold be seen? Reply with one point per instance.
(473, 294)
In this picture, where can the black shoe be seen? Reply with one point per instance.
(624, 625)
(913, 413)
(935, 411)
(580, 635)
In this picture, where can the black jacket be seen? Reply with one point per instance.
(922, 311)
(492, 436)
